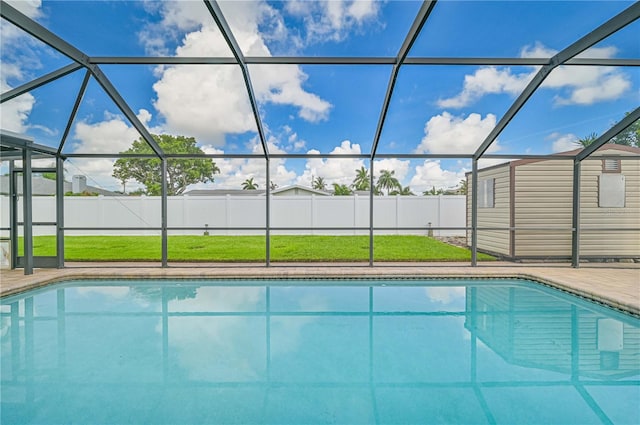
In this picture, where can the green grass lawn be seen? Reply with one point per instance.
(252, 248)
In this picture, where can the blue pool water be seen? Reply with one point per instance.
(316, 352)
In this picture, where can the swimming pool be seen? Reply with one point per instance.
(311, 351)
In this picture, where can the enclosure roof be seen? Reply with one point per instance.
(13, 144)
(341, 78)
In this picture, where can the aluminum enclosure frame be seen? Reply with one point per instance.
(91, 65)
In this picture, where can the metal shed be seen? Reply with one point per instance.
(525, 206)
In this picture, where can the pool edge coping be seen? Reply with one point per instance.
(71, 274)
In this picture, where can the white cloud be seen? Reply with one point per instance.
(217, 350)
(14, 113)
(17, 57)
(400, 166)
(333, 170)
(18, 48)
(208, 102)
(579, 85)
(446, 133)
(585, 85)
(176, 18)
(31, 8)
(98, 173)
(563, 142)
(294, 142)
(430, 174)
(606, 84)
(112, 135)
(446, 294)
(234, 171)
(204, 102)
(283, 85)
(537, 50)
(332, 20)
(489, 80)
(362, 10)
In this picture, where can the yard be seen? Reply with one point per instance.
(285, 248)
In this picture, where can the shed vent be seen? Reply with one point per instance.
(611, 166)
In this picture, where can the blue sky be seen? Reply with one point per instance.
(321, 108)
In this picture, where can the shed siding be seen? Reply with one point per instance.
(495, 241)
(543, 198)
(609, 243)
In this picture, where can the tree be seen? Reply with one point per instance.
(272, 185)
(319, 184)
(249, 184)
(52, 175)
(630, 136)
(388, 181)
(181, 172)
(587, 140)
(403, 191)
(341, 190)
(433, 192)
(462, 187)
(362, 180)
(167, 292)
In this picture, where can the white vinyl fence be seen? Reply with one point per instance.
(230, 215)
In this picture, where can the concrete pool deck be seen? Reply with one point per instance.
(614, 284)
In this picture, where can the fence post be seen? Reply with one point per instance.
(313, 214)
(185, 211)
(397, 212)
(355, 212)
(227, 199)
(439, 216)
(100, 212)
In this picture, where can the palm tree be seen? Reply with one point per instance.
(272, 185)
(462, 187)
(403, 191)
(362, 180)
(249, 184)
(318, 183)
(388, 181)
(341, 190)
(586, 141)
(433, 192)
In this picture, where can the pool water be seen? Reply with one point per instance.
(315, 352)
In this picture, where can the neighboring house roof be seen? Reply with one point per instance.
(222, 192)
(605, 147)
(47, 187)
(286, 190)
(297, 189)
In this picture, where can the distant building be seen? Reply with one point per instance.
(223, 192)
(298, 190)
(293, 190)
(41, 186)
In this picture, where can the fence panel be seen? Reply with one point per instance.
(309, 213)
